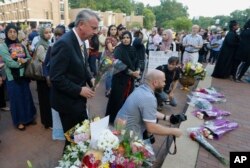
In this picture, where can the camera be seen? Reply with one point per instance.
(178, 118)
(149, 136)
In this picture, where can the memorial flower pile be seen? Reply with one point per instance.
(118, 149)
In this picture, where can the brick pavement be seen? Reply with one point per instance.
(35, 143)
(238, 103)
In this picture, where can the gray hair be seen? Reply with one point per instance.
(85, 15)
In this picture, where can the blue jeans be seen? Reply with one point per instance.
(92, 64)
(108, 80)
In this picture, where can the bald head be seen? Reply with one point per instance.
(155, 79)
(154, 74)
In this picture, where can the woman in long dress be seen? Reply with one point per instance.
(224, 64)
(42, 87)
(15, 56)
(123, 82)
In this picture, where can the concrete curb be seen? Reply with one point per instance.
(187, 153)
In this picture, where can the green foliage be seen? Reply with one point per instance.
(149, 18)
(182, 23)
(169, 10)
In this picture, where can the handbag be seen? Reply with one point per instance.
(34, 69)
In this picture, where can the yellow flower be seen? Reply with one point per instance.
(105, 165)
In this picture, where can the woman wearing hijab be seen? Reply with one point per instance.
(15, 56)
(123, 82)
(41, 49)
(167, 39)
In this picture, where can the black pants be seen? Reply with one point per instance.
(69, 120)
(242, 69)
(44, 103)
(2, 96)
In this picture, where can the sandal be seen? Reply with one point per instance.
(21, 127)
(5, 109)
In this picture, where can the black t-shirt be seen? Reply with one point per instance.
(169, 75)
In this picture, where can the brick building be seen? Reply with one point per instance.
(40, 11)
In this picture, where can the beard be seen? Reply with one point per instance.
(159, 89)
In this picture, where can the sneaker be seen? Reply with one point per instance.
(173, 102)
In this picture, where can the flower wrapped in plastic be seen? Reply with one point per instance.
(213, 92)
(105, 64)
(118, 66)
(194, 70)
(210, 98)
(216, 128)
(198, 137)
(200, 103)
(214, 113)
(80, 132)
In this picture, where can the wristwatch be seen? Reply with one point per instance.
(164, 118)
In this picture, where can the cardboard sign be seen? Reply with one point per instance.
(157, 58)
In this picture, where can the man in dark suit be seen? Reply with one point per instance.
(69, 71)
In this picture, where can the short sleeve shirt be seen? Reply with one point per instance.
(140, 107)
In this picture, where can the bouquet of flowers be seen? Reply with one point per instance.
(210, 114)
(208, 97)
(211, 91)
(105, 65)
(194, 70)
(199, 103)
(215, 129)
(129, 151)
(120, 149)
(80, 132)
(198, 137)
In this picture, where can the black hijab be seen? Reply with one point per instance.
(8, 41)
(126, 53)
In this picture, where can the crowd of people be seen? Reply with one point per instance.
(70, 58)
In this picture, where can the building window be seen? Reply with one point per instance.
(61, 7)
(47, 15)
(62, 16)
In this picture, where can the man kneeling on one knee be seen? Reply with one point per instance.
(139, 112)
(172, 75)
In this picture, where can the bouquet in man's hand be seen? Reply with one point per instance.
(118, 66)
(105, 65)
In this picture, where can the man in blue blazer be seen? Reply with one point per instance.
(69, 71)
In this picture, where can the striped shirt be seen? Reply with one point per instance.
(195, 40)
(140, 107)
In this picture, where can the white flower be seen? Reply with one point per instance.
(78, 163)
(73, 166)
(107, 140)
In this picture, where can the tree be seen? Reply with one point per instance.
(138, 8)
(182, 23)
(203, 22)
(149, 18)
(169, 10)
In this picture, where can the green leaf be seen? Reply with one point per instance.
(29, 164)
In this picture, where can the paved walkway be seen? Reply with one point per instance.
(190, 154)
(35, 142)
